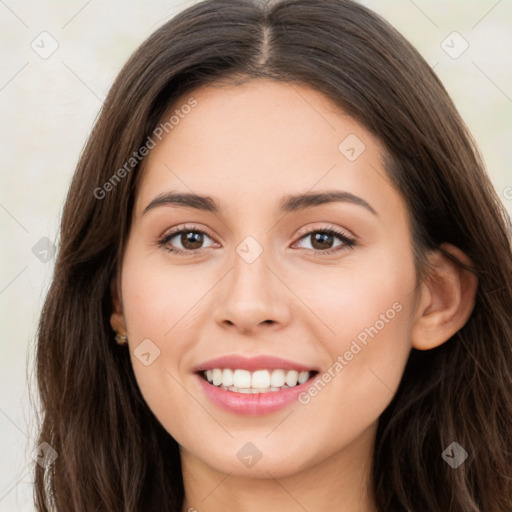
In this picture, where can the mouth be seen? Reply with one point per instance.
(254, 385)
(237, 380)
(258, 392)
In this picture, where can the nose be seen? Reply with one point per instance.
(252, 297)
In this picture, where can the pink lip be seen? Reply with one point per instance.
(261, 362)
(252, 404)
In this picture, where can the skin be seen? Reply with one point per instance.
(248, 146)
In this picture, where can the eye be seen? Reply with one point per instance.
(322, 240)
(187, 239)
(190, 239)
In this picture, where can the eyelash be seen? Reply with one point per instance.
(348, 243)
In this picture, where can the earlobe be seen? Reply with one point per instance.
(447, 299)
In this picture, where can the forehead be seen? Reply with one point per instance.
(259, 141)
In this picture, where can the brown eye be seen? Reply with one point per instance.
(185, 240)
(325, 241)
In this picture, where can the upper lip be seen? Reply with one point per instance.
(261, 362)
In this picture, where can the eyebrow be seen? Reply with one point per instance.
(289, 203)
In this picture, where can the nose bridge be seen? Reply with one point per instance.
(250, 280)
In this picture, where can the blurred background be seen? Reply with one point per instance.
(58, 60)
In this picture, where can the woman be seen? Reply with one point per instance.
(284, 223)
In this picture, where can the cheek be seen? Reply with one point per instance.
(159, 299)
(353, 297)
(367, 316)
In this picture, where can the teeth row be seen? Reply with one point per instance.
(258, 381)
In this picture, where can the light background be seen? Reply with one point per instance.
(48, 107)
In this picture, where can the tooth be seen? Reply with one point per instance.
(260, 379)
(217, 376)
(277, 378)
(242, 379)
(227, 377)
(303, 377)
(291, 378)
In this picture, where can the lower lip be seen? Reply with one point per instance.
(253, 403)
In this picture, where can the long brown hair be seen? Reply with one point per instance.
(113, 454)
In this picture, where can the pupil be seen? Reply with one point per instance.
(322, 240)
(192, 240)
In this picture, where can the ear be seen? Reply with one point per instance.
(117, 320)
(447, 299)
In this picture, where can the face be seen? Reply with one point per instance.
(325, 283)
